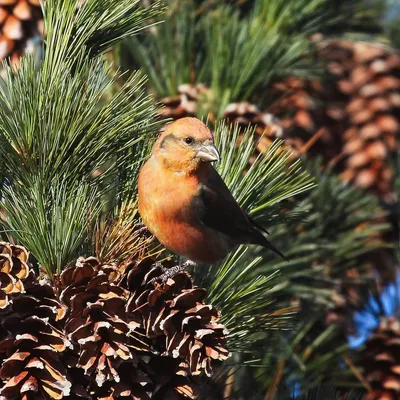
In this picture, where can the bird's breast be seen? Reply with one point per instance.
(172, 208)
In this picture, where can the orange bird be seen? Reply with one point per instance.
(185, 203)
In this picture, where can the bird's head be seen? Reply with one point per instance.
(185, 145)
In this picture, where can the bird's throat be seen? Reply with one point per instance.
(182, 167)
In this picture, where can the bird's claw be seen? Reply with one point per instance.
(170, 272)
(141, 229)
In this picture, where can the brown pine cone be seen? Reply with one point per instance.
(13, 271)
(357, 106)
(96, 323)
(175, 317)
(380, 361)
(189, 102)
(21, 23)
(33, 342)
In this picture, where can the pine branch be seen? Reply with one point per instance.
(238, 54)
(94, 25)
(64, 144)
(241, 55)
(62, 128)
(260, 189)
(51, 220)
(341, 225)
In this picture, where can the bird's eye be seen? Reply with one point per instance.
(189, 140)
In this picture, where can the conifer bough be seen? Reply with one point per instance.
(21, 24)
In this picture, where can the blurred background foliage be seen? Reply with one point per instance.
(304, 99)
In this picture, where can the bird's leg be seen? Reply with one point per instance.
(171, 272)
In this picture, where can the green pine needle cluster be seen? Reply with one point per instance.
(58, 131)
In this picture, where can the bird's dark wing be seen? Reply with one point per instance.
(224, 214)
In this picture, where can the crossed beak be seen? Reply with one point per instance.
(208, 153)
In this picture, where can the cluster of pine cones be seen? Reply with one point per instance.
(103, 332)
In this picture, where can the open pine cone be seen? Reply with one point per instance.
(21, 24)
(267, 126)
(189, 100)
(376, 338)
(103, 332)
(382, 351)
(32, 336)
(356, 109)
(175, 316)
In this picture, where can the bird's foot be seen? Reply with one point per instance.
(170, 272)
(141, 229)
